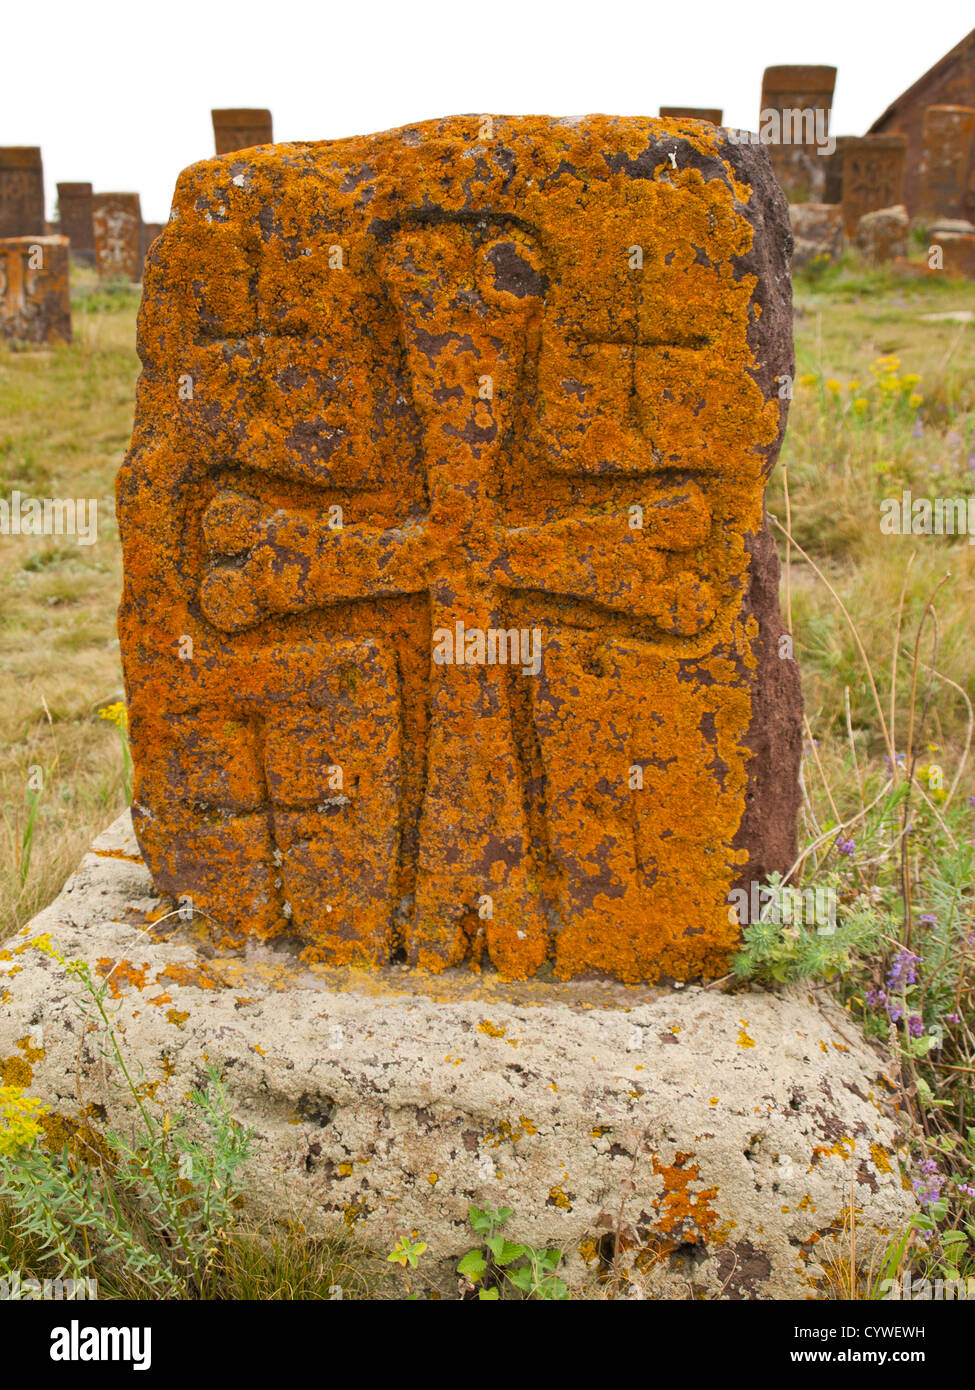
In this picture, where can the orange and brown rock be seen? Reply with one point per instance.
(21, 192)
(949, 132)
(118, 235)
(796, 105)
(75, 206)
(713, 114)
(35, 305)
(241, 128)
(450, 623)
(872, 176)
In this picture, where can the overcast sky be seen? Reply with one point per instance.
(118, 92)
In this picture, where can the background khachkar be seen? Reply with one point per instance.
(450, 619)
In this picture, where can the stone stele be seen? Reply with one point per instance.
(35, 298)
(721, 1137)
(118, 235)
(240, 128)
(76, 211)
(450, 617)
(21, 191)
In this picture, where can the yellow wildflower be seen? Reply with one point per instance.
(914, 400)
(860, 404)
(116, 714)
(18, 1119)
(833, 386)
(807, 379)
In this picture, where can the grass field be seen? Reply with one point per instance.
(884, 402)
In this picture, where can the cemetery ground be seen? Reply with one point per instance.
(884, 404)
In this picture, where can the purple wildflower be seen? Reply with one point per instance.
(847, 847)
(876, 997)
(927, 919)
(915, 1025)
(967, 1188)
(927, 1188)
(903, 971)
(894, 1012)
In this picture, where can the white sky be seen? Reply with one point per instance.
(118, 92)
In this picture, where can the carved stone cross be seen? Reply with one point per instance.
(460, 561)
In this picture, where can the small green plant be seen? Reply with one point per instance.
(118, 715)
(531, 1272)
(154, 1205)
(406, 1253)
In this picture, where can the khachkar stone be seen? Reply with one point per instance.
(148, 234)
(948, 134)
(76, 211)
(21, 192)
(450, 622)
(241, 129)
(794, 123)
(35, 305)
(872, 176)
(713, 114)
(118, 236)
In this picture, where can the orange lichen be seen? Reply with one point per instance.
(428, 383)
(681, 1212)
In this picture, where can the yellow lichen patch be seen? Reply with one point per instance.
(881, 1158)
(557, 1198)
(491, 1029)
(31, 1053)
(177, 1016)
(15, 1071)
(743, 1039)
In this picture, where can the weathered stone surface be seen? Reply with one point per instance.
(818, 232)
(957, 251)
(35, 301)
(76, 210)
(21, 192)
(241, 129)
(486, 361)
(118, 235)
(713, 114)
(148, 234)
(722, 1135)
(794, 94)
(951, 82)
(948, 133)
(872, 175)
(882, 235)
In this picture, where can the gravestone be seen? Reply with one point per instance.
(872, 173)
(713, 114)
(882, 235)
(21, 192)
(149, 232)
(76, 211)
(818, 232)
(118, 235)
(948, 134)
(796, 104)
(35, 306)
(450, 621)
(241, 129)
